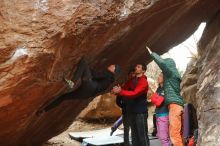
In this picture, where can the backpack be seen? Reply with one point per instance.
(190, 125)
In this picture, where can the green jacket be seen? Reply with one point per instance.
(172, 79)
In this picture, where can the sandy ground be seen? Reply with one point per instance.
(79, 125)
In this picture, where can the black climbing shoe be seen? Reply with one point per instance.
(112, 131)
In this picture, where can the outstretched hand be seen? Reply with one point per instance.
(148, 49)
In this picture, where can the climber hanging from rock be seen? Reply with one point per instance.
(85, 83)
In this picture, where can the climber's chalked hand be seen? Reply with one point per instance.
(148, 49)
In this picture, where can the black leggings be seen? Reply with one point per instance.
(126, 129)
(154, 121)
(87, 88)
(139, 129)
(82, 72)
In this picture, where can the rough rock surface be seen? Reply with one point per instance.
(201, 84)
(43, 40)
(189, 82)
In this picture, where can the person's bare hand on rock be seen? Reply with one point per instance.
(148, 49)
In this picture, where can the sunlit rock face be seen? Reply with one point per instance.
(42, 40)
(202, 84)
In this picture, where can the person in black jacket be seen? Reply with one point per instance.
(122, 102)
(85, 83)
(100, 80)
(135, 91)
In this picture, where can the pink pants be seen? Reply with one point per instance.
(163, 130)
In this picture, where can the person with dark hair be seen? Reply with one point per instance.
(172, 96)
(122, 102)
(134, 92)
(85, 83)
